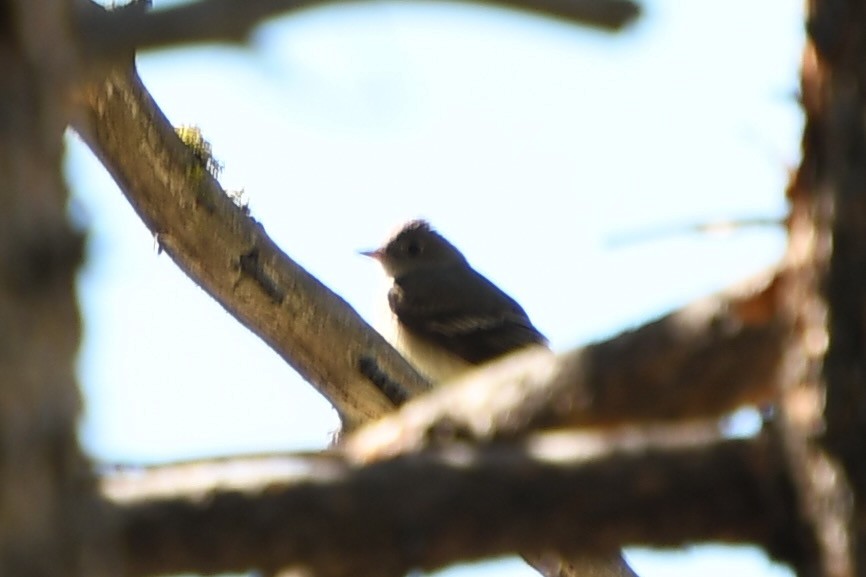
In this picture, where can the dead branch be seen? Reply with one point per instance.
(229, 255)
(239, 265)
(569, 493)
(702, 361)
(823, 408)
(295, 314)
(51, 518)
(680, 366)
(111, 32)
(839, 210)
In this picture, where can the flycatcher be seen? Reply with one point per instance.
(447, 315)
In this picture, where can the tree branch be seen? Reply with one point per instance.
(681, 363)
(823, 408)
(51, 518)
(569, 493)
(702, 361)
(840, 183)
(229, 254)
(296, 315)
(112, 32)
(239, 265)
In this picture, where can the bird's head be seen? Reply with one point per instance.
(414, 247)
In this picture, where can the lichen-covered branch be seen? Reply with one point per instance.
(229, 254)
(231, 257)
(682, 363)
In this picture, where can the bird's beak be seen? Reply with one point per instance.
(374, 254)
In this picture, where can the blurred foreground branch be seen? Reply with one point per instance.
(702, 361)
(799, 490)
(107, 33)
(683, 360)
(677, 367)
(564, 493)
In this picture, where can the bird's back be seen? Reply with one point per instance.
(462, 312)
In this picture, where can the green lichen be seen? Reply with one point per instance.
(192, 137)
(201, 148)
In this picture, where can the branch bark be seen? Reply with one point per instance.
(702, 361)
(828, 245)
(843, 87)
(567, 493)
(231, 257)
(684, 358)
(229, 254)
(682, 361)
(51, 519)
(120, 31)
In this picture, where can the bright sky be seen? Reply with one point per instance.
(531, 144)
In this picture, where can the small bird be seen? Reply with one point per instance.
(448, 316)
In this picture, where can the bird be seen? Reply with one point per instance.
(447, 317)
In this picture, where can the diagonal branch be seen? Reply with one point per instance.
(231, 257)
(570, 493)
(703, 360)
(229, 254)
(239, 265)
(112, 32)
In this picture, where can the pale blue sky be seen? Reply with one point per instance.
(529, 143)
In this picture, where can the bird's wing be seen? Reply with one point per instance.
(464, 313)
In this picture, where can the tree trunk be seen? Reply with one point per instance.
(50, 521)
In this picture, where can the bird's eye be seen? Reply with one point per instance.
(413, 249)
